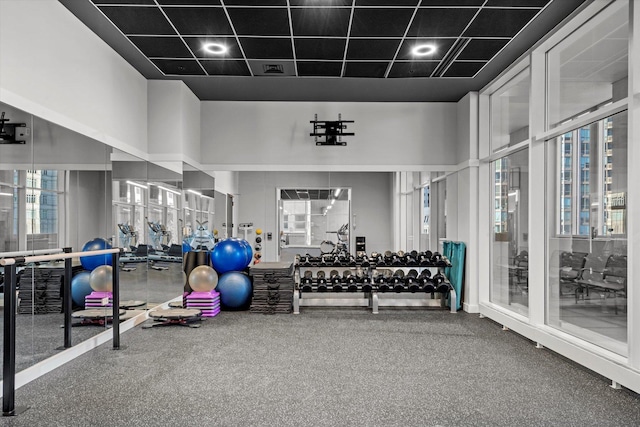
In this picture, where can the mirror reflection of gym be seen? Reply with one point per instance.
(314, 221)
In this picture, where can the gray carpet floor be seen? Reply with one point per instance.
(325, 368)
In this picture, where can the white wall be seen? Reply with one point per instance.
(174, 122)
(275, 136)
(370, 196)
(226, 182)
(463, 152)
(88, 207)
(53, 66)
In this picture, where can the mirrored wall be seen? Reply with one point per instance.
(55, 192)
(314, 220)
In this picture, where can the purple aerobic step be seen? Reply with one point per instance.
(210, 313)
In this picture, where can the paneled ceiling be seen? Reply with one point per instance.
(357, 50)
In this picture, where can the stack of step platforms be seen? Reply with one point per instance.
(98, 299)
(207, 302)
(40, 290)
(273, 284)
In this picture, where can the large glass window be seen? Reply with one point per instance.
(426, 210)
(44, 193)
(587, 286)
(510, 231)
(589, 69)
(510, 112)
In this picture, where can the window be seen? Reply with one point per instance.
(589, 68)
(42, 196)
(509, 250)
(597, 178)
(510, 112)
(588, 231)
(426, 210)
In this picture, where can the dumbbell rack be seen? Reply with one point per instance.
(375, 285)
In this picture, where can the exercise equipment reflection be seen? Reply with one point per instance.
(93, 261)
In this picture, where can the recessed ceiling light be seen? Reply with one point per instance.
(215, 48)
(423, 49)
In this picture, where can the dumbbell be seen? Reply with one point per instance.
(411, 281)
(411, 259)
(307, 281)
(351, 280)
(396, 281)
(322, 281)
(426, 282)
(424, 258)
(436, 258)
(351, 261)
(440, 283)
(304, 261)
(396, 259)
(364, 261)
(336, 281)
(381, 280)
(367, 283)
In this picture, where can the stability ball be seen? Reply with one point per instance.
(248, 252)
(203, 279)
(93, 261)
(101, 279)
(229, 255)
(80, 287)
(235, 289)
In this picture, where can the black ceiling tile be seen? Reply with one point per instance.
(463, 69)
(327, 21)
(319, 48)
(386, 3)
(442, 47)
(440, 22)
(225, 67)
(267, 48)
(179, 67)
(123, 2)
(273, 21)
(317, 68)
(483, 49)
(161, 47)
(366, 69)
(517, 3)
(372, 48)
(189, 2)
(379, 22)
(452, 3)
(413, 69)
(199, 20)
(138, 20)
(321, 2)
(255, 2)
(499, 22)
(196, 44)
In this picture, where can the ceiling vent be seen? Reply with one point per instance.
(270, 68)
(273, 69)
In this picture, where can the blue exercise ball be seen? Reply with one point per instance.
(80, 287)
(95, 261)
(229, 255)
(247, 250)
(235, 289)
